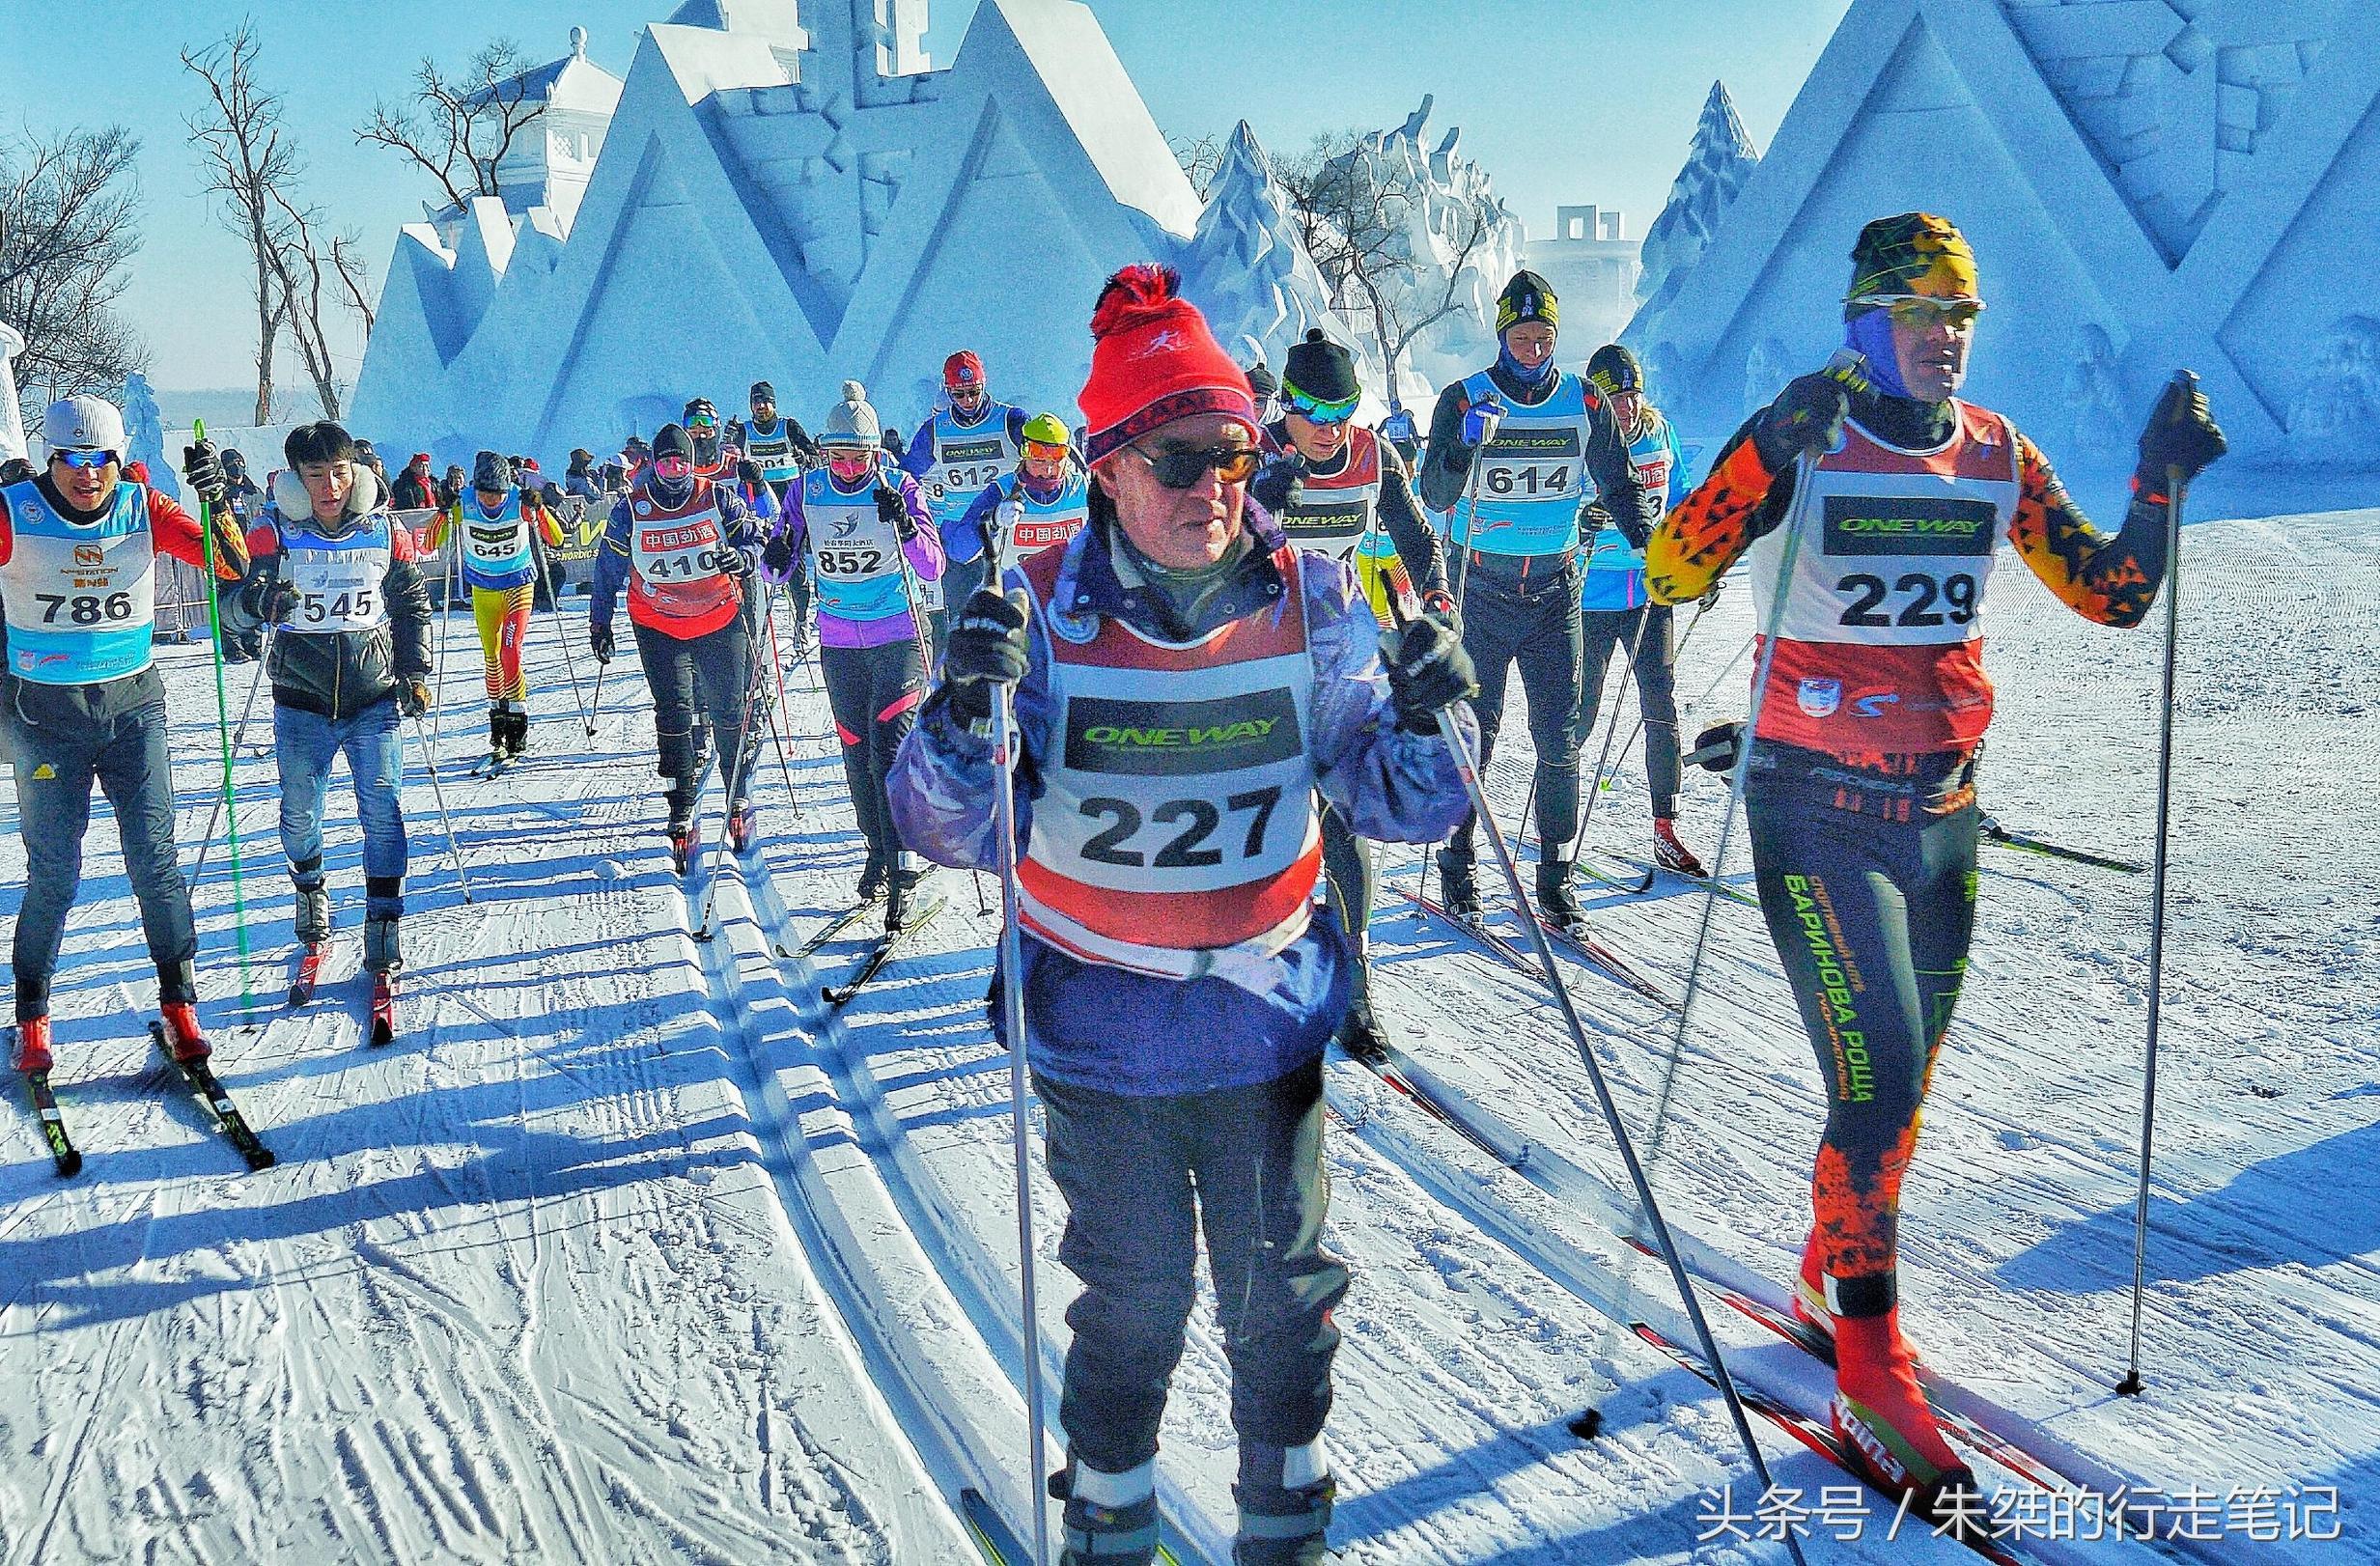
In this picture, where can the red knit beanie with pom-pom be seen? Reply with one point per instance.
(1153, 361)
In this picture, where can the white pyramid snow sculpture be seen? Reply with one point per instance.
(787, 191)
(2189, 177)
(1248, 269)
(1717, 164)
(1428, 193)
(11, 422)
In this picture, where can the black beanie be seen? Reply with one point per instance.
(1320, 370)
(1527, 297)
(764, 392)
(672, 440)
(490, 473)
(1614, 369)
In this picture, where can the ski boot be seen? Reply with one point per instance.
(312, 923)
(743, 829)
(1285, 1497)
(1809, 1295)
(516, 729)
(499, 735)
(1556, 901)
(382, 958)
(872, 880)
(1669, 853)
(1458, 883)
(1111, 1518)
(1885, 1426)
(900, 895)
(31, 1051)
(1359, 1030)
(685, 843)
(182, 1032)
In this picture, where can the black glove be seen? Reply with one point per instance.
(204, 475)
(274, 599)
(890, 507)
(1428, 670)
(1716, 748)
(413, 697)
(1806, 418)
(747, 473)
(1278, 482)
(2181, 432)
(777, 555)
(987, 648)
(599, 642)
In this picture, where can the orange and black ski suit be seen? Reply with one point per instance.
(1868, 565)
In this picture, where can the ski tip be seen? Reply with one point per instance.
(383, 1036)
(70, 1164)
(261, 1158)
(1587, 1425)
(990, 1535)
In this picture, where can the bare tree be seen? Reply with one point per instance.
(248, 161)
(1355, 211)
(355, 277)
(458, 127)
(1201, 158)
(253, 164)
(66, 233)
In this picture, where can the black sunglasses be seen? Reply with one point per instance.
(1182, 469)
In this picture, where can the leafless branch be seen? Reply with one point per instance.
(457, 128)
(67, 205)
(247, 160)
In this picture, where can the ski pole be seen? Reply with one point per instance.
(595, 702)
(1459, 752)
(562, 633)
(215, 813)
(2132, 1385)
(780, 714)
(1020, 1120)
(223, 729)
(1469, 512)
(240, 736)
(437, 791)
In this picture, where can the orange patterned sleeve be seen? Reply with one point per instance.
(1705, 533)
(2111, 580)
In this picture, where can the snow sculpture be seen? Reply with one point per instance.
(1448, 239)
(144, 433)
(2183, 177)
(1722, 157)
(788, 190)
(1248, 269)
(2337, 415)
(11, 422)
(2099, 428)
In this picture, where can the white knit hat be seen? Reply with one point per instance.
(851, 422)
(83, 424)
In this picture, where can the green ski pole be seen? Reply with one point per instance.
(223, 733)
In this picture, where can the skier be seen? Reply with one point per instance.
(861, 524)
(81, 701)
(1632, 455)
(1516, 572)
(495, 527)
(1179, 984)
(1041, 505)
(246, 502)
(957, 451)
(682, 545)
(779, 446)
(1345, 492)
(333, 570)
(1869, 512)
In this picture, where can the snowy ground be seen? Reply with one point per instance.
(626, 1254)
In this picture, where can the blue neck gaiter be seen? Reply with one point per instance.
(1870, 334)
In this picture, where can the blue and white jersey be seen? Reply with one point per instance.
(340, 580)
(1612, 568)
(80, 598)
(1531, 477)
(954, 462)
(772, 450)
(495, 550)
(854, 554)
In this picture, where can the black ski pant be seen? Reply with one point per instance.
(1524, 611)
(1350, 875)
(1141, 1176)
(715, 670)
(874, 692)
(1868, 881)
(120, 745)
(1602, 632)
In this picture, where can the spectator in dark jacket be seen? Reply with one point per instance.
(413, 489)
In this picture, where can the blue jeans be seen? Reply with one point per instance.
(305, 743)
(56, 762)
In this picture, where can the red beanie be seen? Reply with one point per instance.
(963, 369)
(1153, 361)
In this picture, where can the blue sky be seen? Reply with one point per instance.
(1563, 101)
